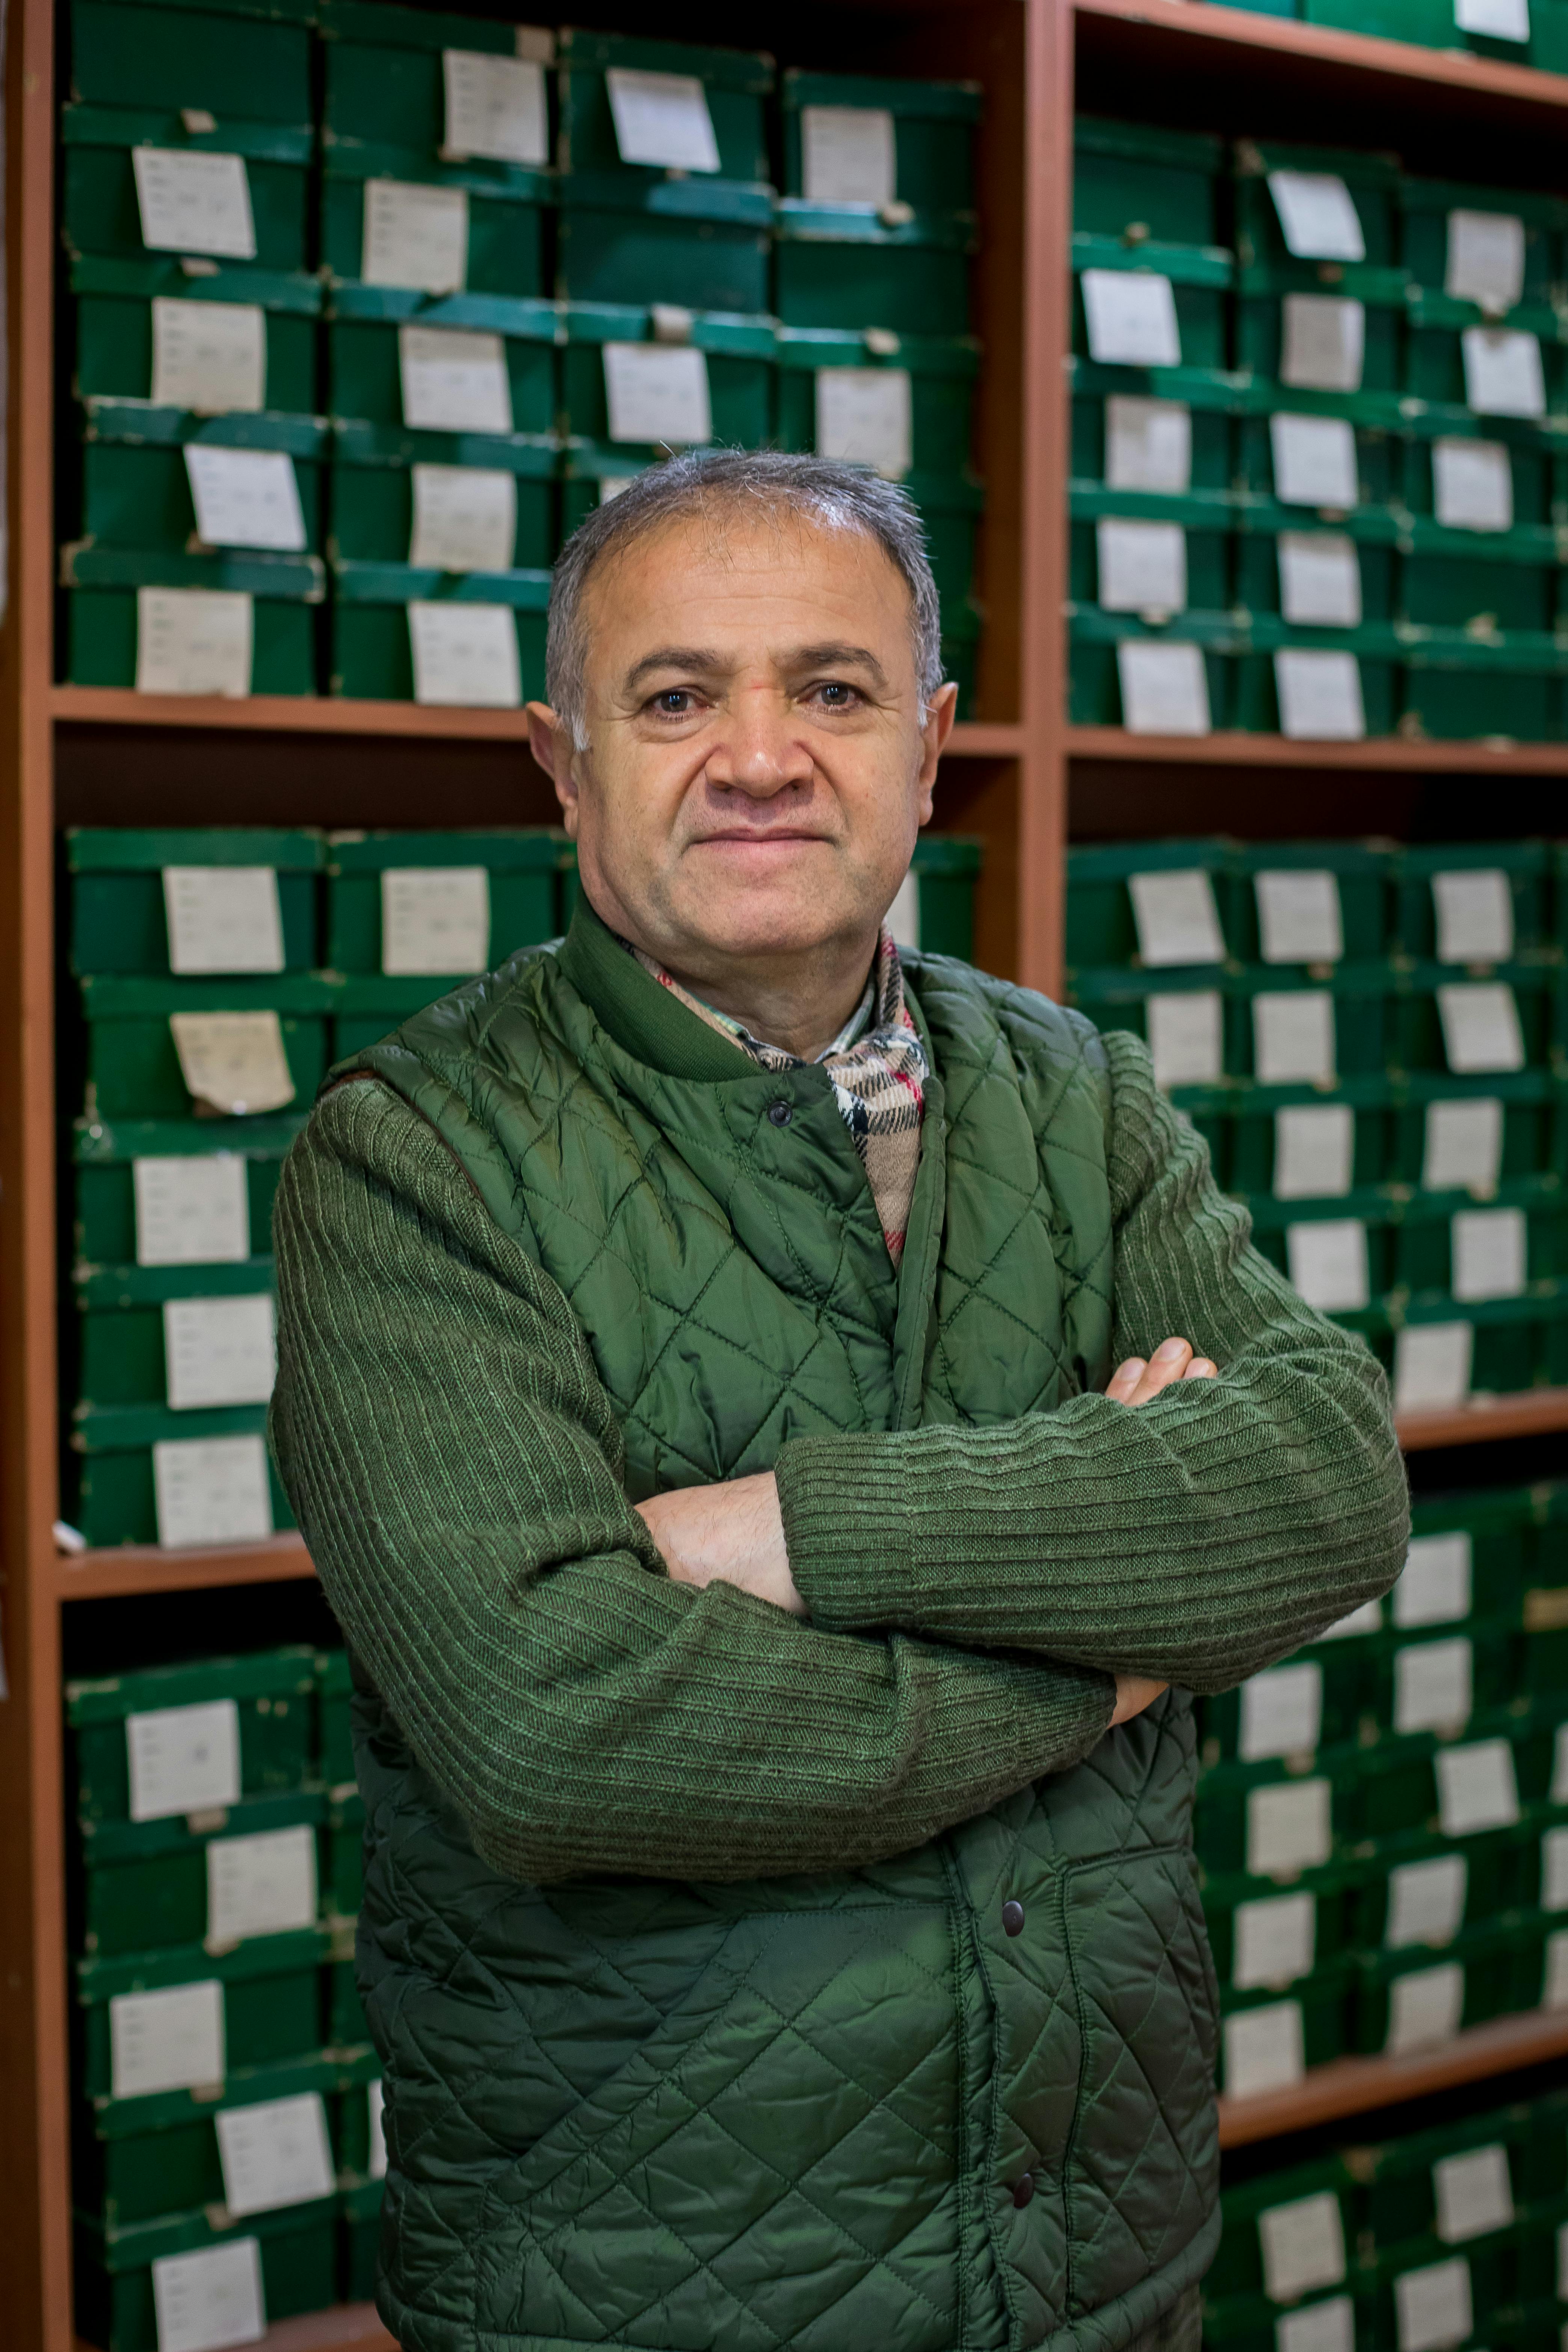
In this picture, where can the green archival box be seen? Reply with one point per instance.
(364, 350)
(385, 89)
(504, 246)
(102, 609)
(372, 656)
(934, 124)
(135, 487)
(371, 490)
(105, 1226)
(99, 209)
(1143, 187)
(737, 84)
(273, 1690)
(841, 265)
(115, 2308)
(110, 1498)
(143, 1885)
(739, 355)
(272, 1988)
(521, 870)
(220, 61)
(114, 340)
(133, 1068)
(941, 372)
(118, 922)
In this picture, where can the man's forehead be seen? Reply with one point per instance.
(741, 555)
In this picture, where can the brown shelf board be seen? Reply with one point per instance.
(1530, 1415)
(1234, 749)
(1353, 2086)
(145, 1568)
(345, 2327)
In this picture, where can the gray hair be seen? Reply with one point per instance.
(770, 481)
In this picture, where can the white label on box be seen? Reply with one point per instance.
(1319, 580)
(1186, 1038)
(1177, 919)
(1287, 1828)
(167, 2040)
(1559, 1791)
(1433, 1686)
(209, 2301)
(657, 391)
(1147, 444)
(1480, 1026)
(375, 2160)
(1503, 374)
(1314, 1152)
(183, 1759)
(1320, 695)
(1324, 342)
(1367, 1618)
(208, 357)
(190, 1211)
(1425, 2008)
(414, 235)
(211, 1490)
(1472, 484)
(1274, 1940)
(1164, 687)
(223, 918)
(1484, 259)
(219, 1351)
(495, 108)
(1264, 2049)
(1463, 1145)
(1322, 2327)
(435, 920)
(245, 497)
(193, 202)
(234, 1062)
(1487, 1249)
(1474, 913)
(1555, 1870)
(662, 119)
(454, 379)
(465, 654)
(1432, 1367)
(273, 2154)
(1142, 566)
(1426, 1901)
(1314, 461)
(903, 916)
(1474, 2194)
(262, 1885)
(1555, 1972)
(1318, 219)
(1434, 1588)
(848, 155)
(192, 641)
(1298, 917)
(1293, 1037)
(465, 518)
(1328, 1263)
(864, 418)
(1282, 1711)
(1432, 2307)
(1476, 1788)
(1303, 2246)
(1498, 20)
(1131, 316)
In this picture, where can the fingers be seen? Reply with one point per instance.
(1137, 1380)
(1123, 1385)
(1134, 1693)
(1201, 1368)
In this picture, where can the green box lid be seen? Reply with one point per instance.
(528, 849)
(800, 221)
(134, 2245)
(288, 579)
(139, 278)
(289, 1672)
(106, 1288)
(133, 1428)
(526, 318)
(738, 204)
(932, 101)
(709, 330)
(1532, 205)
(374, 26)
(819, 347)
(106, 1842)
(86, 125)
(112, 417)
(136, 996)
(402, 584)
(504, 183)
(532, 456)
(99, 1143)
(748, 70)
(134, 849)
(1252, 158)
(1139, 143)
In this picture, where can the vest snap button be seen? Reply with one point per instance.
(1013, 1918)
(1023, 2190)
(781, 1113)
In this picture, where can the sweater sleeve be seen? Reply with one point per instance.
(454, 1464)
(1196, 1539)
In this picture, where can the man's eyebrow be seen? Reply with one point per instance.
(836, 655)
(700, 658)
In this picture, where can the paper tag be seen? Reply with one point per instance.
(219, 1351)
(1463, 1145)
(1425, 2007)
(192, 1211)
(275, 2153)
(465, 518)
(1473, 2193)
(183, 1759)
(1274, 1940)
(1474, 912)
(192, 641)
(1555, 1870)
(1321, 2327)
(864, 418)
(1177, 919)
(414, 235)
(1147, 444)
(465, 654)
(435, 920)
(235, 1061)
(1503, 375)
(495, 108)
(1164, 687)
(208, 357)
(1131, 316)
(1559, 1791)
(1142, 566)
(903, 916)
(1426, 1901)
(375, 2161)
(193, 202)
(1314, 461)
(1293, 1037)
(1480, 1026)
(1303, 2246)
(1432, 1367)
(1367, 1618)
(454, 379)
(1555, 1972)
(1287, 1828)
(662, 118)
(1432, 2307)
(1320, 695)
(1314, 1152)
(211, 1490)
(1472, 484)
(1476, 1788)
(223, 918)
(1318, 219)
(1487, 1249)
(1498, 20)
(1264, 2049)
(1319, 580)
(1434, 1586)
(1433, 1686)
(209, 2301)
(1484, 259)
(167, 2040)
(1328, 1263)
(1562, 2265)
(245, 497)
(1281, 1712)
(260, 1886)
(1186, 1038)
(1323, 343)
(657, 391)
(1298, 917)
(848, 155)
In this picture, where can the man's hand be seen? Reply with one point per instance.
(732, 1533)
(1134, 1383)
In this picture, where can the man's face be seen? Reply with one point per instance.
(758, 766)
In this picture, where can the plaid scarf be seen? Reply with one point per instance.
(878, 1067)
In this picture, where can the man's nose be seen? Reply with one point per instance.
(758, 752)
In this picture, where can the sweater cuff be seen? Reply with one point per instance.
(847, 1530)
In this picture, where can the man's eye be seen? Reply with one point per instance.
(835, 696)
(674, 702)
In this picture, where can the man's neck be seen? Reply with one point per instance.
(804, 1011)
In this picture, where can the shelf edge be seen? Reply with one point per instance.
(131, 1569)
(1352, 2086)
(1533, 1413)
(341, 2327)
(1230, 749)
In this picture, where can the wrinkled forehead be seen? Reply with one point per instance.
(750, 568)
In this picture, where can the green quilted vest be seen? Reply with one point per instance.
(798, 2112)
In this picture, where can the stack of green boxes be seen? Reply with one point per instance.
(227, 2135)
(1514, 32)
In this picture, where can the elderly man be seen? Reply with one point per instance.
(698, 1392)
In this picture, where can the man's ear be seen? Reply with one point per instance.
(551, 747)
(934, 734)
